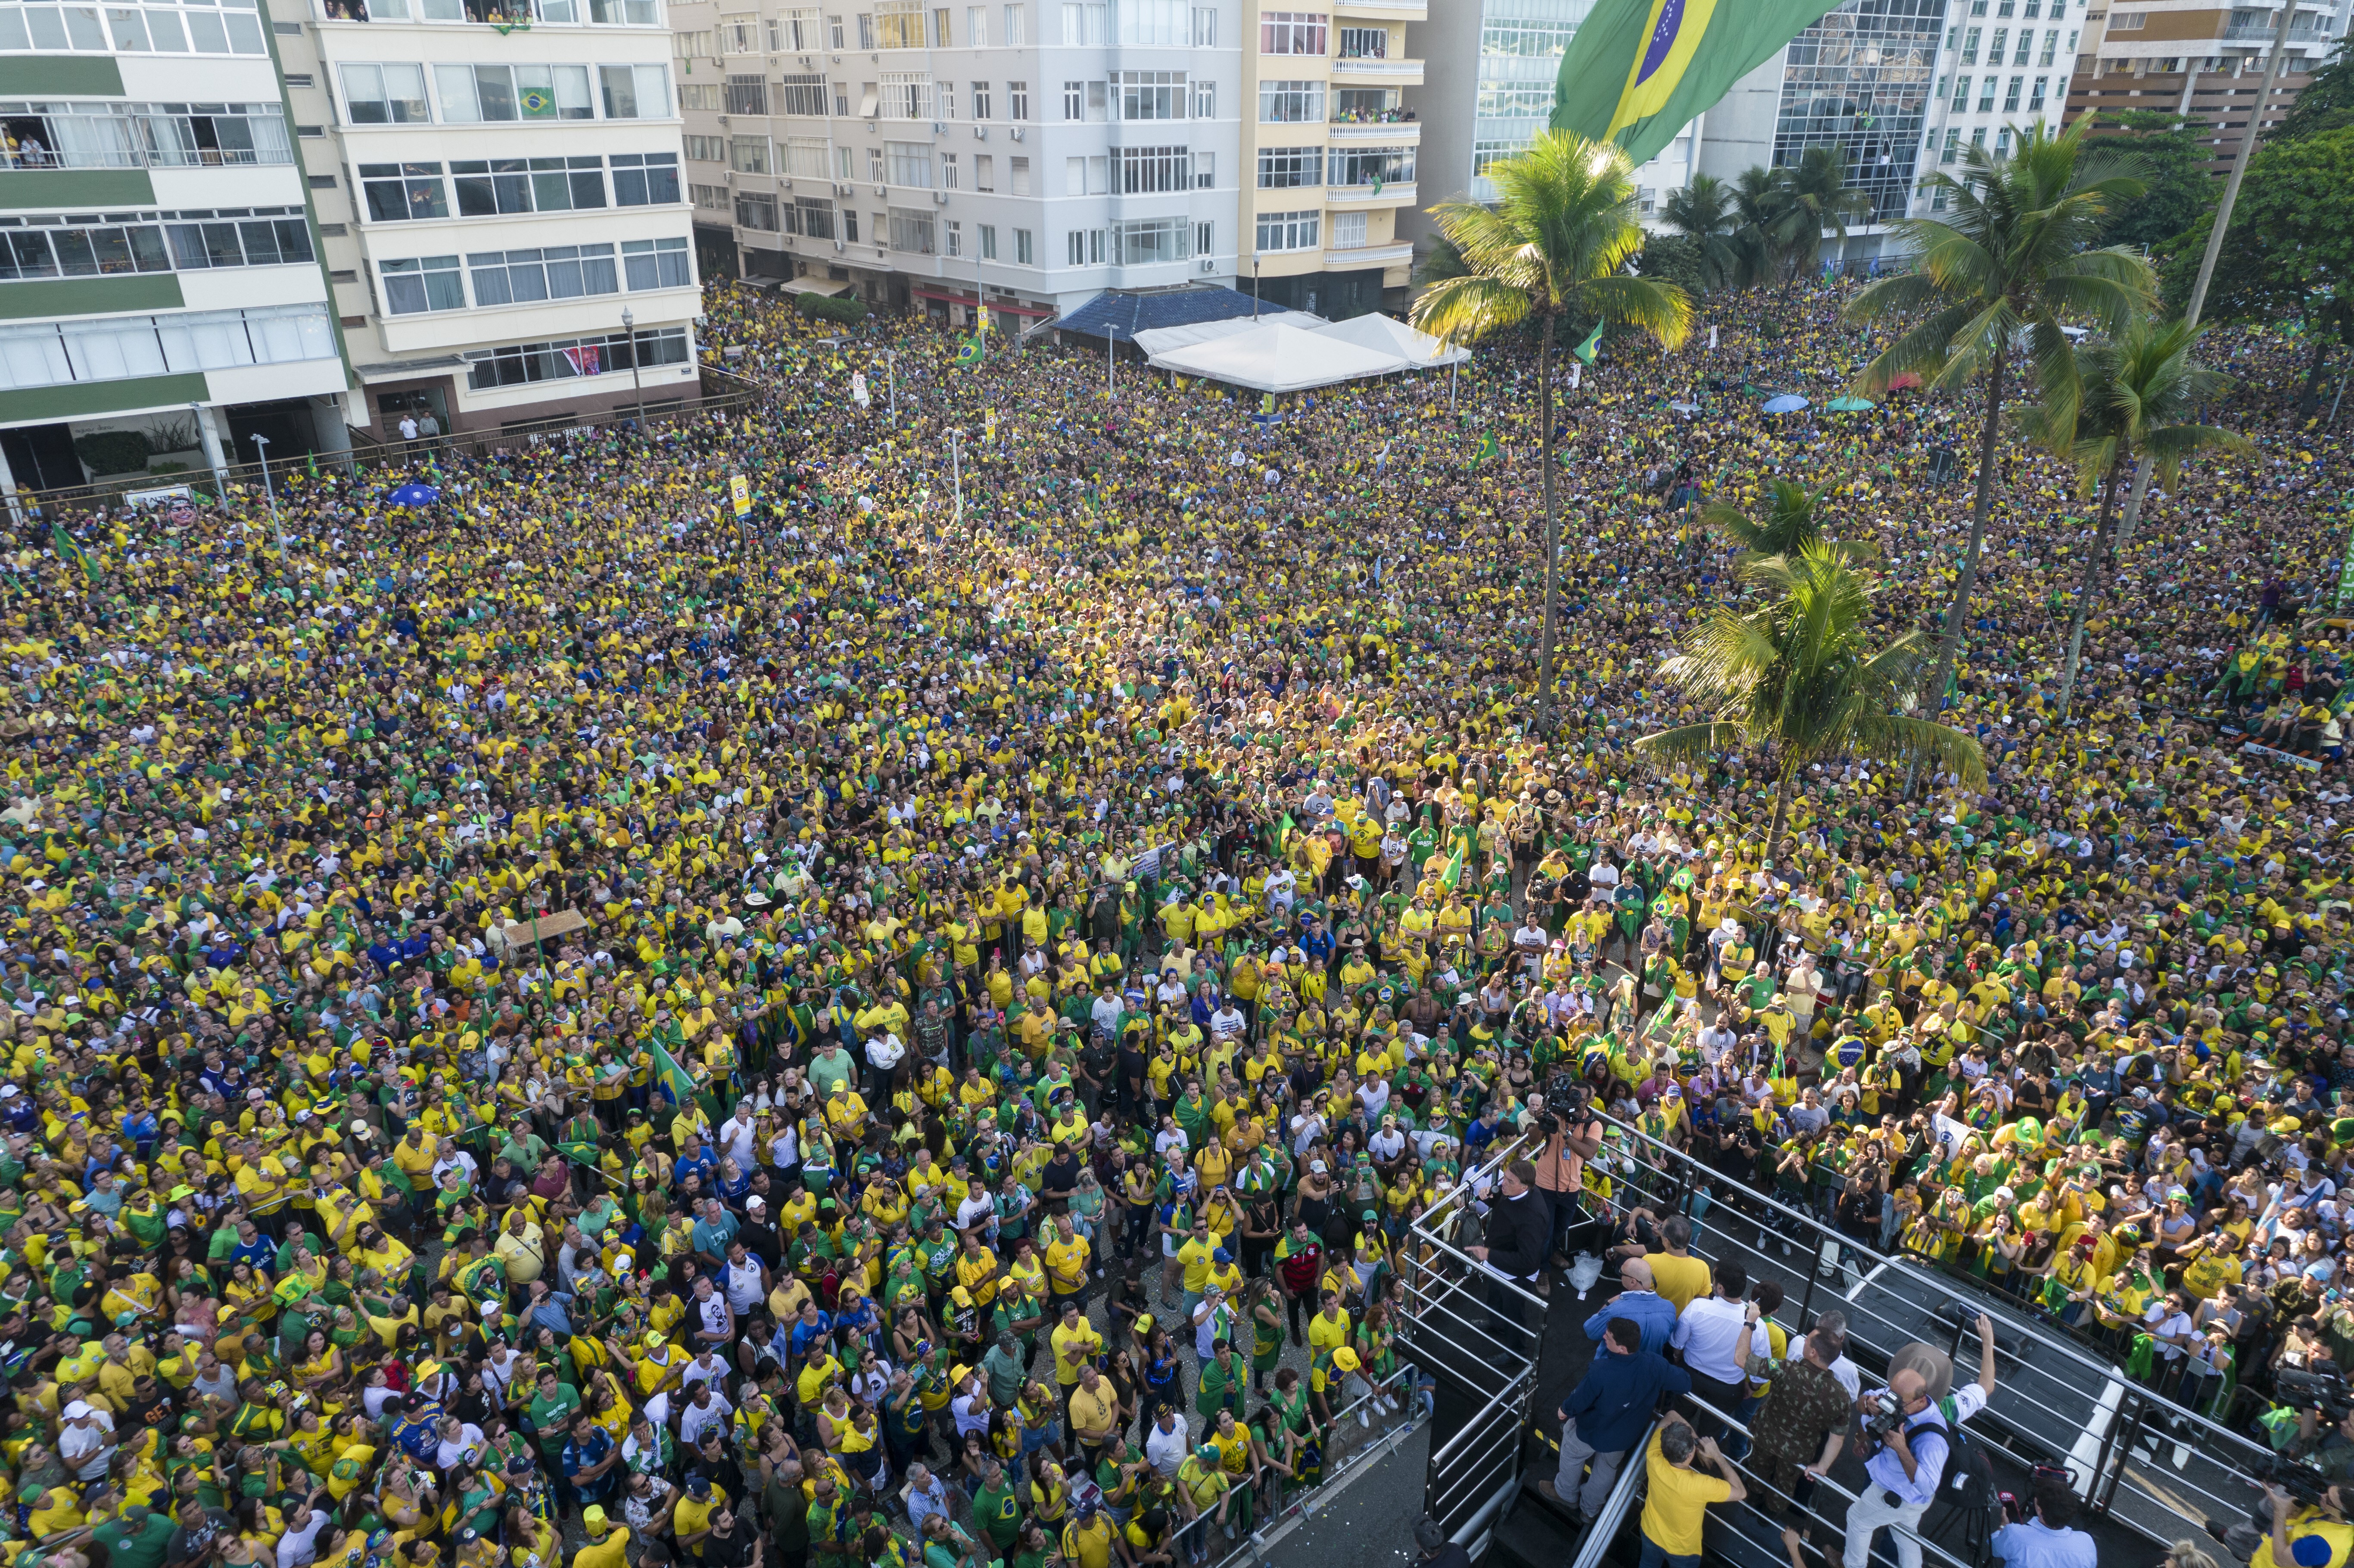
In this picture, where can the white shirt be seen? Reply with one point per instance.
(1708, 1333)
(1167, 1450)
(299, 1547)
(736, 1140)
(693, 1421)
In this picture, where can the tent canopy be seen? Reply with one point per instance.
(1278, 358)
(1386, 334)
(1162, 340)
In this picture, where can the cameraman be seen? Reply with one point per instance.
(1573, 1135)
(2306, 1535)
(1907, 1462)
(2044, 1539)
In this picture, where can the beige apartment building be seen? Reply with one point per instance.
(2200, 59)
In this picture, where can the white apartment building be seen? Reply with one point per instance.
(1023, 153)
(2004, 65)
(499, 194)
(161, 297)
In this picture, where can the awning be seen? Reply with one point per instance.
(1167, 340)
(824, 287)
(1386, 334)
(946, 297)
(1278, 359)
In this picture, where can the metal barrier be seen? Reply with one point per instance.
(2152, 1465)
(1339, 1471)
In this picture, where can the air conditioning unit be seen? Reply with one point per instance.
(837, 245)
(980, 132)
(939, 199)
(1014, 131)
(842, 190)
(939, 129)
(880, 191)
(728, 175)
(1208, 265)
(723, 120)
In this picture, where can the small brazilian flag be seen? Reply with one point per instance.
(1489, 446)
(969, 354)
(1585, 351)
(1453, 875)
(69, 550)
(670, 1077)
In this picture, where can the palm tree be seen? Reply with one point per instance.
(1702, 213)
(1798, 677)
(1552, 247)
(1792, 521)
(1756, 213)
(1815, 200)
(2016, 255)
(2128, 396)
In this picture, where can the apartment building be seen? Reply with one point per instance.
(162, 300)
(1026, 155)
(502, 206)
(2004, 65)
(2203, 62)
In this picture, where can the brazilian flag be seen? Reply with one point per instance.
(69, 550)
(1585, 351)
(969, 354)
(670, 1077)
(1489, 446)
(1638, 71)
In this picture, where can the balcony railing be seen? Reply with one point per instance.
(1374, 117)
(1396, 130)
(1361, 195)
(1386, 67)
(1369, 256)
(148, 141)
(2261, 33)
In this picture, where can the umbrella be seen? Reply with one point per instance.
(1787, 403)
(1850, 405)
(414, 495)
(1685, 408)
(1902, 380)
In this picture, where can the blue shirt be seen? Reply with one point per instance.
(713, 1237)
(1615, 1403)
(1652, 1312)
(1925, 1434)
(579, 1456)
(2032, 1545)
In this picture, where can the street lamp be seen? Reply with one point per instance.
(636, 382)
(955, 470)
(891, 382)
(1111, 357)
(275, 522)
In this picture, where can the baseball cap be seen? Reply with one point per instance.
(1345, 1359)
(593, 1518)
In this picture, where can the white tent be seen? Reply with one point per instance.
(1387, 334)
(1161, 340)
(1278, 359)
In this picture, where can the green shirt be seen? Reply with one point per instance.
(552, 1418)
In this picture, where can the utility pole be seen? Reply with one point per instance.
(261, 443)
(956, 469)
(2240, 165)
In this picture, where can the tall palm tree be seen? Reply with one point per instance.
(2016, 255)
(1702, 213)
(2129, 397)
(1757, 215)
(1798, 677)
(1552, 247)
(1792, 521)
(1815, 200)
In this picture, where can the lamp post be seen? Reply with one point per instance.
(955, 470)
(636, 382)
(891, 382)
(1111, 357)
(262, 442)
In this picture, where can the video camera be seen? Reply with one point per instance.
(2322, 1389)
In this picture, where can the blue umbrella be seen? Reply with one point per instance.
(414, 495)
(1787, 403)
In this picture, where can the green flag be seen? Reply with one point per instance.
(969, 354)
(1489, 446)
(670, 1077)
(1454, 872)
(69, 550)
(1638, 71)
(1585, 351)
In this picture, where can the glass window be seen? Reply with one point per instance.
(748, 95)
(385, 94)
(648, 179)
(908, 163)
(748, 155)
(1285, 168)
(1291, 32)
(801, 94)
(1150, 94)
(1302, 102)
(424, 283)
(668, 263)
(489, 188)
(1155, 23)
(1288, 230)
(397, 190)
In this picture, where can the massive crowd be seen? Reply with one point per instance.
(1029, 933)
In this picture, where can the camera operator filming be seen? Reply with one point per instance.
(1904, 1434)
(2044, 1537)
(2313, 1534)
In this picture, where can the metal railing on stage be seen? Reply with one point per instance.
(2153, 1465)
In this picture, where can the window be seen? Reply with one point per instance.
(1290, 168)
(899, 24)
(1074, 94)
(946, 97)
(635, 93)
(848, 226)
(984, 172)
(1085, 248)
(1349, 230)
(1978, 136)
(1205, 99)
(1291, 32)
(1994, 45)
(1953, 146)
(612, 13)
(1083, 25)
(748, 95)
(976, 26)
(385, 94)
(1205, 27)
(475, 93)
(1024, 254)
(1961, 94)
(952, 237)
(1154, 24)
(1017, 33)
(1530, 38)
(940, 36)
(842, 159)
(398, 191)
(1494, 101)
(1288, 230)
(748, 155)
(875, 166)
(906, 95)
(1302, 102)
(949, 179)
(2002, 143)
(740, 34)
(2128, 21)
(562, 360)
(796, 31)
(2050, 46)
(756, 212)
(1986, 95)
(833, 32)
(2011, 95)
(645, 179)
(801, 94)
(1365, 43)
(1204, 232)
(1374, 166)
(704, 95)
(425, 284)
(1150, 94)
(488, 187)
(1145, 171)
(1205, 171)
(554, 272)
(657, 264)
(694, 45)
(1085, 176)
(908, 163)
(867, 30)
(1970, 45)
(712, 197)
(2035, 97)
(988, 241)
(1017, 100)
(706, 149)
(804, 157)
(911, 230)
(981, 101)
(1150, 241)
(814, 216)
(1018, 168)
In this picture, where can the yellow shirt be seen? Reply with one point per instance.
(1677, 1502)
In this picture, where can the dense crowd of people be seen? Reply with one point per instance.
(916, 1022)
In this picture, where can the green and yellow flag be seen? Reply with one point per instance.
(670, 1077)
(69, 550)
(1452, 876)
(1638, 71)
(1489, 446)
(1585, 351)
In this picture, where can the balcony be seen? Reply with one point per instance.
(1359, 256)
(1388, 10)
(1390, 71)
(1389, 133)
(1389, 195)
